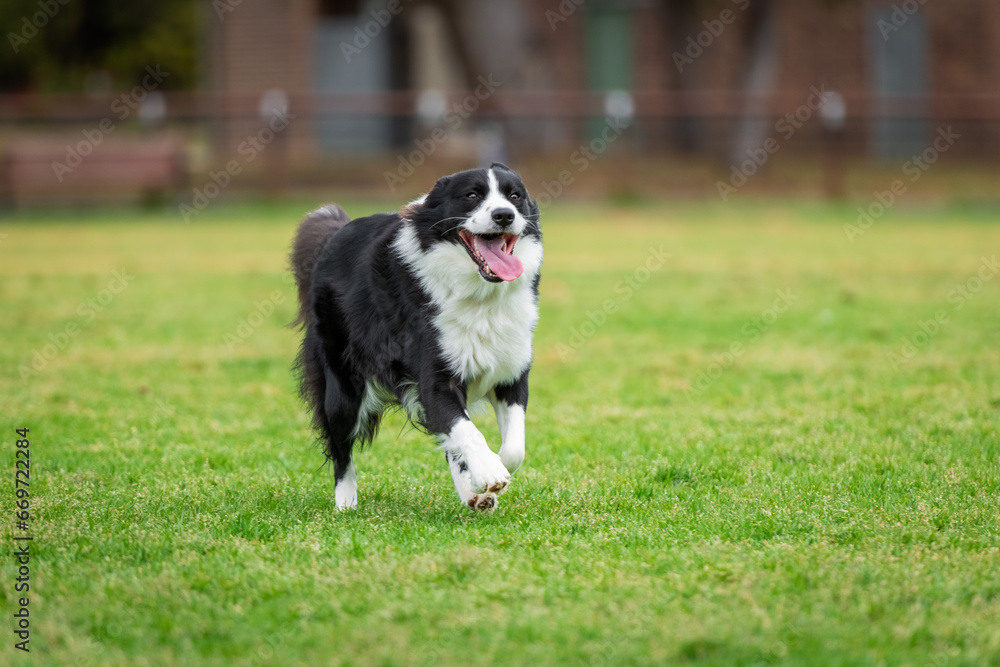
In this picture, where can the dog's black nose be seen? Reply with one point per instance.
(503, 217)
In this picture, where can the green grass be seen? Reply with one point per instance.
(816, 503)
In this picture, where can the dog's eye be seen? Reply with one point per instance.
(472, 195)
(514, 196)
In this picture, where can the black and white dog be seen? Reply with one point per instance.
(431, 308)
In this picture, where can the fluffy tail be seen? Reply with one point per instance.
(310, 238)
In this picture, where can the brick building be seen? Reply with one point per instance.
(925, 53)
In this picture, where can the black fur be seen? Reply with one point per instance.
(366, 316)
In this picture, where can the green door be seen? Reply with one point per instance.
(609, 53)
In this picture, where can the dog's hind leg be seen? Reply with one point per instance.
(346, 488)
(341, 406)
(335, 412)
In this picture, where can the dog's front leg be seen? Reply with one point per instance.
(479, 474)
(510, 419)
(509, 404)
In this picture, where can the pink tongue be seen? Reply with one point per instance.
(506, 267)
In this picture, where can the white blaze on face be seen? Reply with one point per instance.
(481, 220)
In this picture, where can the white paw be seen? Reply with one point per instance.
(477, 471)
(345, 502)
(487, 473)
(483, 502)
(346, 490)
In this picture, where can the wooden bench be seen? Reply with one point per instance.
(47, 171)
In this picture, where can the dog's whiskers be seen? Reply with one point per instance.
(455, 217)
(452, 229)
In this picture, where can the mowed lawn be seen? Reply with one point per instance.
(734, 455)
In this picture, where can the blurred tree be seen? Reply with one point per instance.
(761, 62)
(757, 75)
(679, 20)
(54, 47)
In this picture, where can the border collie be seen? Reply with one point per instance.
(431, 308)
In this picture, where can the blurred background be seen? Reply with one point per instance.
(765, 408)
(182, 102)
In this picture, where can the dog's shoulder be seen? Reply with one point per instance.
(356, 246)
(368, 230)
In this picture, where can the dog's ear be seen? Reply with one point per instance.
(437, 193)
(533, 213)
(500, 165)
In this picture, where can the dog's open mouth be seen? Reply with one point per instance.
(494, 253)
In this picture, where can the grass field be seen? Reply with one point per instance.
(733, 459)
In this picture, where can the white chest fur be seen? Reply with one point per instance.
(487, 342)
(485, 328)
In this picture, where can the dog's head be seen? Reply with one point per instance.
(486, 212)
